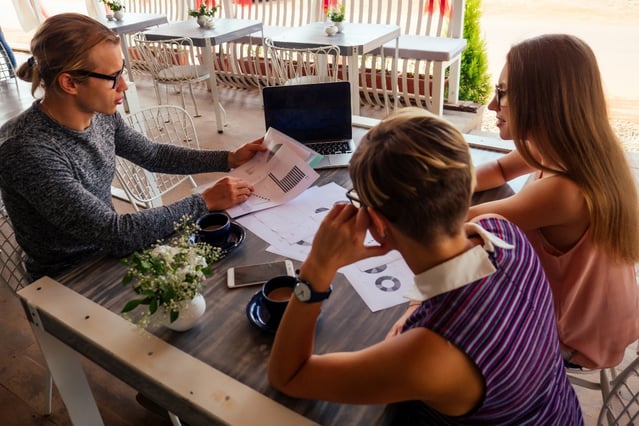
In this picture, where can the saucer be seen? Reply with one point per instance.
(255, 313)
(237, 234)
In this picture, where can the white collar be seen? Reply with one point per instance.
(469, 266)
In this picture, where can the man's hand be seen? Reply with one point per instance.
(245, 152)
(226, 193)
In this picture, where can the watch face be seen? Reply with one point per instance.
(302, 292)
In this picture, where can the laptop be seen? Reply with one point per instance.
(317, 115)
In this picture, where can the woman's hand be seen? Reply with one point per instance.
(396, 329)
(227, 192)
(245, 152)
(340, 239)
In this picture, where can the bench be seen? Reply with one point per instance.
(66, 323)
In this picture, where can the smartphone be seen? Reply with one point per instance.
(241, 276)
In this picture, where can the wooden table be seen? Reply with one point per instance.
(216, 371)
(225, 30)
(356, 39)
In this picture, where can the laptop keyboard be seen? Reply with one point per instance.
(328, 148)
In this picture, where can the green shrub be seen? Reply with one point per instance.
(474, 84)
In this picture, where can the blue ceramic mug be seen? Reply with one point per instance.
(214, 228)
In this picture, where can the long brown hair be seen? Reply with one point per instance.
(557, 103)
(62, 44)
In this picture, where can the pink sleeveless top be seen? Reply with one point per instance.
(596, 300)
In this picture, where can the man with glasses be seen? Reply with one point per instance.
(57, 158)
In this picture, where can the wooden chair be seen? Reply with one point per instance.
(171, 62)
(162, 124)
(302, 66)
(621, 406)
(14, 275)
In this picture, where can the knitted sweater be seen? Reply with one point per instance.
(56, 186)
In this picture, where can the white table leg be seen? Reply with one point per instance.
(353, 76)
(69, 378)
(220, 114)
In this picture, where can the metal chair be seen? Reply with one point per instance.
(172, 62)
(7, 71)
(621, 407)
(14, 275)
(302, 66)
(586, 378)
(163, 124)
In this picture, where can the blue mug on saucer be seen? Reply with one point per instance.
(214, 228)
(267, 306)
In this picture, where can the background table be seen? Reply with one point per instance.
(354, 40)
(225, 30)
(224, 339)
(132, 23)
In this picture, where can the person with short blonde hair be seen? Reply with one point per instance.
(580, 213)
(57, 158)
(478, 344)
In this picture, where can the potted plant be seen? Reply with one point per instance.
(335, 14)
(116, 7)
(204, 14)
(169, 277)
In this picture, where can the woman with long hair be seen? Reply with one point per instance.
(580, 212)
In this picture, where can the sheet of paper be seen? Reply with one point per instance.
(278, 175)
(290, 228)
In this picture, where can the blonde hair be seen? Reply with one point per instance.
(557, 101)
(416, 170)
(62, 44)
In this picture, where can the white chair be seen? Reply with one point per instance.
(621, 407)
(171, 62)
(163, 124)
(7, 71)
(302, 66)
(14, 275)
(597, 379)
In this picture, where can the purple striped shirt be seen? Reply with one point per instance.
(505, 324)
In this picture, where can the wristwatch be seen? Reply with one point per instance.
(305, 293)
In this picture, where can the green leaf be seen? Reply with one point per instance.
(153, 306)
(174, 315)
(132, 304)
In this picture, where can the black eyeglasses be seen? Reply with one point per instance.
(352, 196)
(499, 94)
(114, 78)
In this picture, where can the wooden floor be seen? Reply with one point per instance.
(22, 369)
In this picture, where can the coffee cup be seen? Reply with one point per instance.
(276, 293)
(214, 228)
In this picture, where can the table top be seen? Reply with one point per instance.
(354, 39)
(224, 338)
(225, 30)
(133, 22)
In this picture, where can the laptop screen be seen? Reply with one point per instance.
(310, 112)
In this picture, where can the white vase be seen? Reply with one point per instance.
(118, 15)
(339, 25)
(205, 22)
(190, 313)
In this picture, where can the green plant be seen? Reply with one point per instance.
(335, 13)
(169, 272)
(204, 11)
(113, 5)
(474, 82)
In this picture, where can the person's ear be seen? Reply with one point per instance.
(67, 83)
(379, 224)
